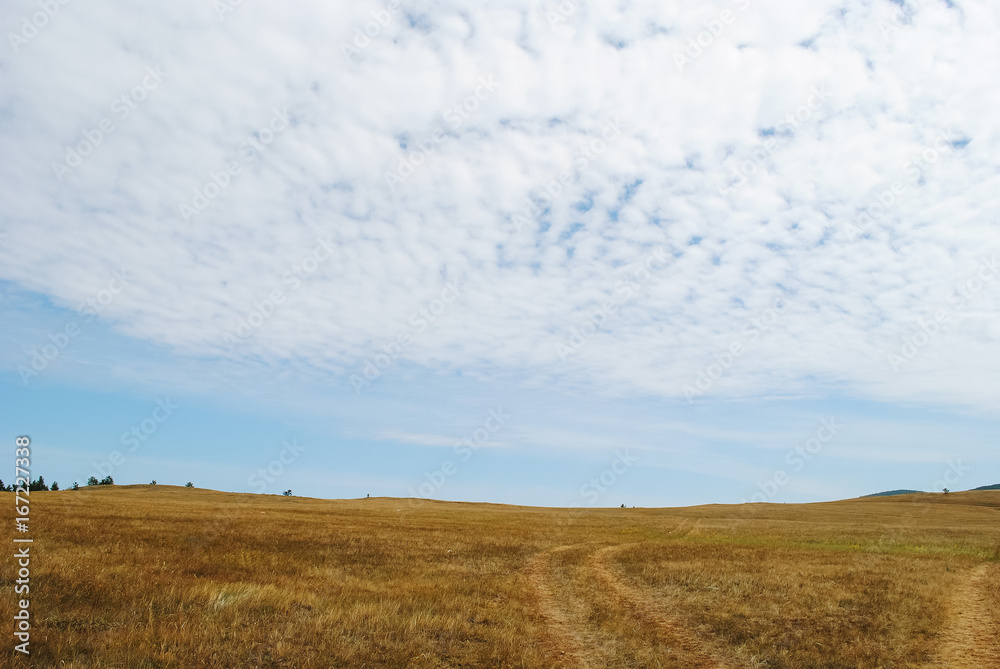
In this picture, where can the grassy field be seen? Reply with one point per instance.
(141, 576)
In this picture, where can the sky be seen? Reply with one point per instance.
(560, 253)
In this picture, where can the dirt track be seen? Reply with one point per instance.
(973, 640)
(570, 645)
(575, 645)
(697, 652)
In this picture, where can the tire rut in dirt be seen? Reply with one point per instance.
(568, 643)
(698, 652)
(972, 640)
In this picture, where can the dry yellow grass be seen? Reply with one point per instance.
(139, 576)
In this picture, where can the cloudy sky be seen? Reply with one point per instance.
(638, 252)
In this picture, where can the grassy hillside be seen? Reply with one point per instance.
(140, 576)
(890, 493)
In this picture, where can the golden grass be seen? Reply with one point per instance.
(140, 576)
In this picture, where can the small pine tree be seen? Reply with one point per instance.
(76, 486)
(92, 481)
(38, 484)
(287, 493)
(55, 485)
(107, 480)
(153, 482)
(3, 488)
(188, 485)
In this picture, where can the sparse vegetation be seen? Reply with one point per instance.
(995, 486)
(142, 576)
(890, 493)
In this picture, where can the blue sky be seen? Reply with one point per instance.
(686, 253)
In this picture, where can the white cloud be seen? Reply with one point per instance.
(418, 439)
(783, 233)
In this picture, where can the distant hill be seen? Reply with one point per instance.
(889, 493)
